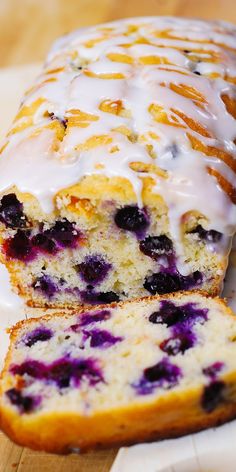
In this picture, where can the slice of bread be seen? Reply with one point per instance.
(135, 371)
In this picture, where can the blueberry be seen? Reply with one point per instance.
(178, 344)
(61, 372)
(25, 403)
(108, 297)
(44, 243)
(92, 297)
(65, 370)
(64, 233)
(63, 121)
(11, 212)
(19, 247)
(131, 218)
(213, 369)
(156, 246)
(171, 315)
(212, 396)
(93, 317)
(163, 371)
(173, 150)
(163, 374)
(87, 369)
(210, 236)
(94, 269)
(38, 334)
(30, 367)
(191, 280)
(45, 285)
(164, 282)
(102, 338)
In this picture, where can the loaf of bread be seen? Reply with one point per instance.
(135, 371)
(117, 177)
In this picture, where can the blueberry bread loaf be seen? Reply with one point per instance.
(117, 178)
(134, 371)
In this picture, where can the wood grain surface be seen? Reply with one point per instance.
(27, 29)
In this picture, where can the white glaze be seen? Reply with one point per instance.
(30, 164)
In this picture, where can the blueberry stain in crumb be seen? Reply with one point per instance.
(86, 319)
(38, 334)
(102, 338)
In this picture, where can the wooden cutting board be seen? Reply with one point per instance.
(13, 81)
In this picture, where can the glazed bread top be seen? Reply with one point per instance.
(142, 99)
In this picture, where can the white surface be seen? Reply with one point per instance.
(210, 451)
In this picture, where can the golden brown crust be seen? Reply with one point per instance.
(177, 414)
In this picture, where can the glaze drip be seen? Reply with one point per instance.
(150, 92)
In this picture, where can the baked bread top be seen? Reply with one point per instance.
(145, 104)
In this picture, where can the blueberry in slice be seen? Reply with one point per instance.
(102, 338)
(43, 242)
(64, 233)
(19, 246)
(212, 370)
(178, 344)
(156, 246)
(161, 283)
(25, 403)
(172, 315)
(108, 297)
(213, 395)
(38, 334)
(86, 319)
(29, 367)
(11, 212)
(210, 236)
(165, 282)
(93, 269)
(132, 218)
(164, 374)
(45, 285)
